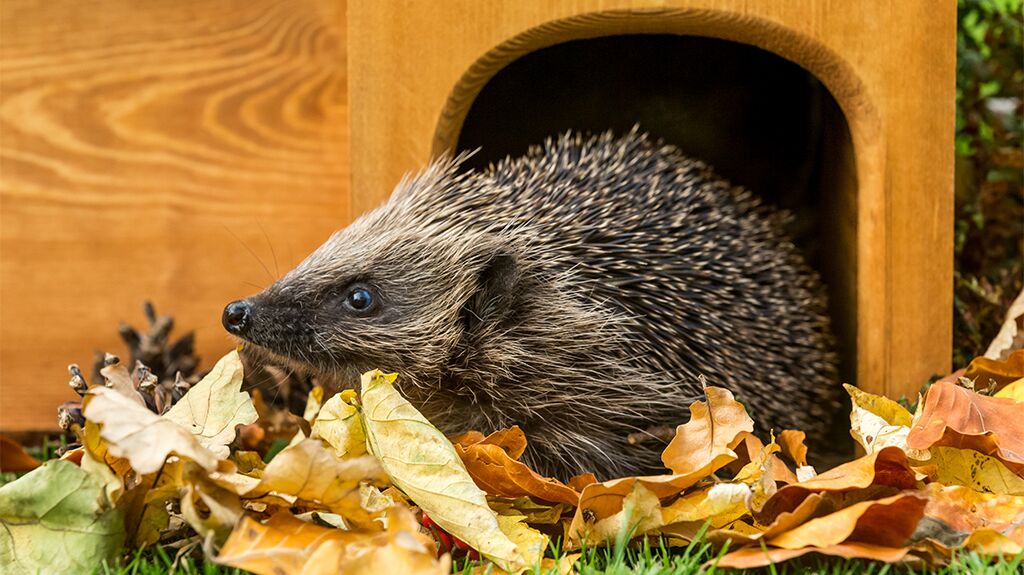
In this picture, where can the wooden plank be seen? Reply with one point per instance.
(890, 66)
(145, 150)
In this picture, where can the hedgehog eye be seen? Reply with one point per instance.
(359, 299)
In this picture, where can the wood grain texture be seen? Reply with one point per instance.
(145, 150)
(415, 68)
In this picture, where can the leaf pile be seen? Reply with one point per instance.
(368, 485)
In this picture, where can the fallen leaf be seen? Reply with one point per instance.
(639, 511)
(119, 379)
(887, 522)
(423, 463)
(491, 463)
(339, 424)
(954, 416)
(281, 546)
(214, 407)
(719, 504)
(311, 473)
(965, 510)
(142, 437)
(58, 519)
(993, 543)
(1014, 391)
(886, 467)
(792, 444)
(984, 371)
(754, 557)
(952, 466)
(876, 421)
(14, 458)
(705, 443)
(531, 543)
(314, 403)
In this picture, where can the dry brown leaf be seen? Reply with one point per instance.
(281, 546)
(492, 462)
(954, 416)
(983, 370)
(1014, 390)
(753, 557)
(990, 542)
(783, 522)
(578, 482)
(965, 510)
(887, 522)
(792, 444)
(887, 467)
(14, 458)
(705, 443)
(399, 550)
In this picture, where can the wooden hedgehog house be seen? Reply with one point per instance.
(841, 112)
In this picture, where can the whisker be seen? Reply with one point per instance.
(251, 252)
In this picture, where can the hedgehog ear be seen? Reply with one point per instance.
(495, 289)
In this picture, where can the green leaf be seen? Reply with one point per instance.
(58, 519)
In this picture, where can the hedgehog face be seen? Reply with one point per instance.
(378, 298)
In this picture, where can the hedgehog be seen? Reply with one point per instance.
(584, 292)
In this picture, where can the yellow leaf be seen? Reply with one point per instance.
(313, 403)
(721, 504)
(1014, 391)
(952, 466)
(312, 474)
(421, 461)
(877, 422)
(991, 542)
(212, 408)
(340, 425)
(282, 545)
(530, 542)
(640, 513)
(142, 437)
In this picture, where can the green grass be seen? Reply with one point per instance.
(645, 559)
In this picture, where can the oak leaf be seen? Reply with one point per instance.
(983, 371)
(952, 466)
(635, 513)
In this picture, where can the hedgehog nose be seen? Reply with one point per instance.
(237, 315)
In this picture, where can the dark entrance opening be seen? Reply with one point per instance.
(762, 121)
